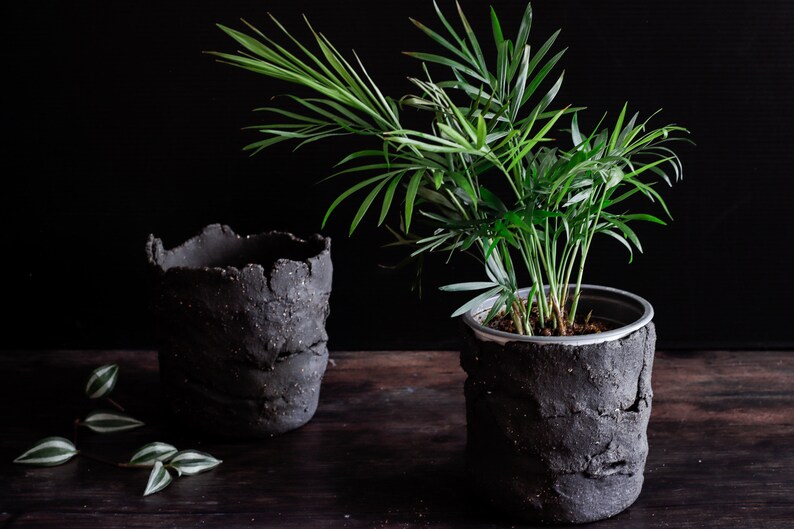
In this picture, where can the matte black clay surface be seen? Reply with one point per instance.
(557, 433)
(242, 329)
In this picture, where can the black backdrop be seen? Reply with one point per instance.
(116, 125)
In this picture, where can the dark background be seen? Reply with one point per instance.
(117, 126)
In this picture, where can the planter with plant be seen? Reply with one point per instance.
(242, 329)
(558, 392)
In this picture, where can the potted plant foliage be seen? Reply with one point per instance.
(558, 393)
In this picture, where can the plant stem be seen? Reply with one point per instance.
(108, 462)
(561, 327)
(583, 258)
(75, 435)
(516, 314)
(115, 404)
(98, 459)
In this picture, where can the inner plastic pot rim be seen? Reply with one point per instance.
(620, 300)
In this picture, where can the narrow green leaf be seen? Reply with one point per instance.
(446, 23)
(622, 240)
(110, 421)
(517, 94)
(476, 301)
(388, 197)
(441, 40)
(527, 146)
(463, 182)
(627, 231)
(490, 199)
(457, 137)
(498, 305)
(482, 132)
(576, 135)
(645, 217)
(614, 177)
(445, 61)
(462, 287)
(618, 130)
(496, 29)
(410, 196)
(48, 452)
(159, 479)
(541, 75)
(190, 462)
(524, 28)
(543, 50)
(102, 381)
(306, 52)
(153, 452)
(388, 109)
(362, 210)
(501, 67)
(349, 192)
(472, 39)
(546, 100)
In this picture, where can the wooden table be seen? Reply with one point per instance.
(386, 449)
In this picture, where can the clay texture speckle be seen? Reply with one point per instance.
(557, 433)
(242, 329)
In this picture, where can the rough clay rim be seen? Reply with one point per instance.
(155, 247)
(492, 335)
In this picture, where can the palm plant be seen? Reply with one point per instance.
(484, 176)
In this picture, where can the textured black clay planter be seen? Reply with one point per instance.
(557, 425)
(242, 329)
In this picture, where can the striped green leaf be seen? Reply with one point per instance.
(152, 453)
(48, 452)
(102, 381)
(190, 462)
(110, 421)
(159, 479)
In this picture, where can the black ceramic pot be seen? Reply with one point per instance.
(242, 329)
(557, 425)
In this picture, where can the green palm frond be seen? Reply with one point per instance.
(491, 128)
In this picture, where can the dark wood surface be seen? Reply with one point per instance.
(385, 449)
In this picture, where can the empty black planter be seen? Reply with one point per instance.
(242, 329)
(557, 426)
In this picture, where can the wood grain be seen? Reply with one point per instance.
(386, 448)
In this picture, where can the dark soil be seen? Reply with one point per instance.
(584, 324)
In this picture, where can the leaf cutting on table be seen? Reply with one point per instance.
(153, 452)
(102, 381)
(159, 479)
(48, 452)
(190, 462)
(110, 421)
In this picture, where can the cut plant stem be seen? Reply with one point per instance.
(516, 314)
(108, 462)
(561, 327)
(115, 404)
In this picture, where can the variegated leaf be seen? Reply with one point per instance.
(110, 421)
(159, 479)
(190, 462)
(152, 453)
(48, 452)
(102, 381)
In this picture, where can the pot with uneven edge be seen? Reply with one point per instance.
(242, 329)
(557, 425)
